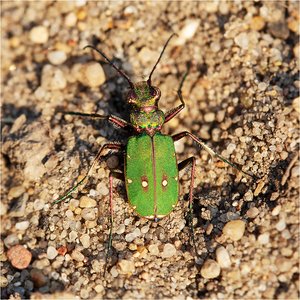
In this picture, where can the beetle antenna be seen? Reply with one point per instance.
(112, 64)
(160, 56)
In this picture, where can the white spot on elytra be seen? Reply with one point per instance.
(165, 182)
(129, 180)
(144, 183)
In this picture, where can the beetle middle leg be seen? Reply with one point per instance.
(97, 160)
(180, 135)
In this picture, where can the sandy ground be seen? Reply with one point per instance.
(242, 99)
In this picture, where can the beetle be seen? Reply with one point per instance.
(151, 168)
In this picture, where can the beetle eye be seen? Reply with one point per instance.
(153, 91)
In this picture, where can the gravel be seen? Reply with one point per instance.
(242, 99)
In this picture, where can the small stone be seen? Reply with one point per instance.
(92, 74)
(234, 229)
(38, 204)
(296, 104)
(126, 267)
(62, 250)
(51, 252)
(38, 278)
(187, 32)
(281, 225)
(209, 117)
(3, 209)
(276, 210)
(114, 272)
(3, 281)
(242, 40)
(223, 257)
(57, 57)
(99, 288)
(11, 240)
(210, 269)
(85, 240)
(283, 264)
(121, 229)
(169, 251)
(22, 225)
(264, 238)
(71, 19)
(262, 86)
(153, 249)
(248, 196)
(16, 192)
(19, 257)
(88, 214)
(252, 212)
(53, 78)
(77, 255)
(257, 23)
(279, 30)
(86, 202)
(39, 35)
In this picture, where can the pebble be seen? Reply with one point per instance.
(19, 257)
(38, 278)
(39, 35)
(16, 192)
(91, 74)
(242, 40)
(257, 23)
(133, 235)
(71, 19)
(88, 214)
(62, 250)
(22, 225)
(252, 212)
(3, 281)
(86, 202)
(77, 255)
(281, 225)
(38, 204)
(223, 257)
(283, 264)
(99, 288)
(276, 210)
(248, 196)
(210, 269)
(11, 240)
(57, 57)
(187, 32)
(3, 209)
(153, 249)
(169, 251)
(126, 267)
(234, 229)
(53, 78)
(264, 238)
(85, 240)
(209, 117)
(51, 252)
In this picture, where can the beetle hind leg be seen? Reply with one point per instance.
(182, 165)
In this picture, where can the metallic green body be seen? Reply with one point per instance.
(151, 175)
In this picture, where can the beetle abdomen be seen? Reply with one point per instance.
(151, 175)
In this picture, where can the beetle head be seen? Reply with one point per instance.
(143, 95)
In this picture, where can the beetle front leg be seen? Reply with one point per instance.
(180, 135)
(173, 112)
(110, 118)
(97, 160)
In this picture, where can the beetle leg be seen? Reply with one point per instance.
(174, 111)
(97, 160)
(119, 176)
(180, 135)
(111, 118)
(181, 166)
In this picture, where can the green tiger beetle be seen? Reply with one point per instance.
(150, 168)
